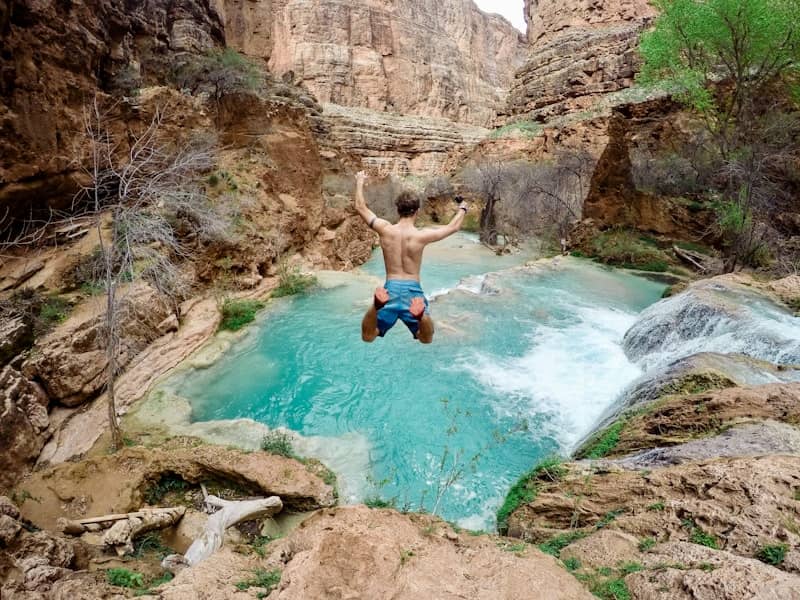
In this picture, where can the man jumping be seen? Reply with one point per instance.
(402, 245)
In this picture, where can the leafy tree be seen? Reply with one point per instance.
(222, 72)
(737, 64)
(746, 45)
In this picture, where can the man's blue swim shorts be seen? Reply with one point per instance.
(401, 293)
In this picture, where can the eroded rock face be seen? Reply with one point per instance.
(71, 362)
(435, 58)
(24, 425)
(96, 487)
(579, 52)
(398, 145)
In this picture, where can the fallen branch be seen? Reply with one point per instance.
(691, 257)
(79, 526)
(229, 513)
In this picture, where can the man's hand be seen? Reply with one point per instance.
(463, 206)
(361, 177)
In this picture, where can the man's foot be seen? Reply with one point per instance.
(381, 298)
(417, 308)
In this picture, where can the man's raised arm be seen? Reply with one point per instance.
(361, 204)
(434, 235)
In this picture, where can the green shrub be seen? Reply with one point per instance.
(150, 543)
(624, 248)
(611, 589)
(125, 578)
(278, 442)
(262, 578)
(556, 544)
(630, 567)
(526, 129)
(54, 310)
(572, 564)
(656, 507)
(773, 555)
(698, 536)
(603, 443)
(526, 488)
(169, 482)
(292, 281)
(378, 502)
(238, 313)
(646, 544)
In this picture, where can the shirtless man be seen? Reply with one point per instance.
(402, 245)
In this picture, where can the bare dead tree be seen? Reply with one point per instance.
(134, 196)
(487, 177)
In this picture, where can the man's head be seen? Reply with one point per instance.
(407, 204)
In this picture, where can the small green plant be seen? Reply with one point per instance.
(609, 518)
(630, 567)
(291, 281)
(169, 482)
(773, 554)
(405, 556)
(611, 589)
(624, 248)
(262, 578)
(556, 544)
(150, 543)
(707, 567)
(278, 442)
(572, 564)
(646, 544)
(604, 443)
(527, 487)
(526, 129)
(378, 502)
(656, 507)
(259, 544)
(698, 536)
(125, 578)
(515, 548)
(238, 313)
(54, 310)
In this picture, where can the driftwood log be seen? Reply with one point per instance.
(123, 528)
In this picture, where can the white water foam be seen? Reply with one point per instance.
(568, 373)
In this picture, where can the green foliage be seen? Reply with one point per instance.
(556, 544)
(611, 589)
(125, 578)
(278, 442)
(624, 248)
(471, 223)
(646, 544)
(405, 556)
(526, 488)
(525, 129)
(54, 310)
(168, 483)
(292, 281)
(378, 502)
(238, 313)
(222, 72)
(572, 564)
(630, 567)
(696, 42)
(772, 555)
(698, 536)
(604, 442)
(262, 578)
(150, 543)
(608, 518)
(656, 507)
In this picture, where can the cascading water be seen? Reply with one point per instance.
(714, 317)
(524, 362)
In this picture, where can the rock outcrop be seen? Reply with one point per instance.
(24, 424)
(357, 552)
(433, 58)
(579, 53)
(95, 486)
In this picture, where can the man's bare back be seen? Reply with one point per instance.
(402, 245)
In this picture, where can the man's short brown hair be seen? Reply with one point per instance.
(407, 204)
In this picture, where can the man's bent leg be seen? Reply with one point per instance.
(369, 325)
(417, 310)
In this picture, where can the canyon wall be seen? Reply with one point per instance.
(432, 58)
(579, 53)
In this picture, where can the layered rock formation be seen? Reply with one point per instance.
(579, 53)
(434, 58)
(400, 145)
